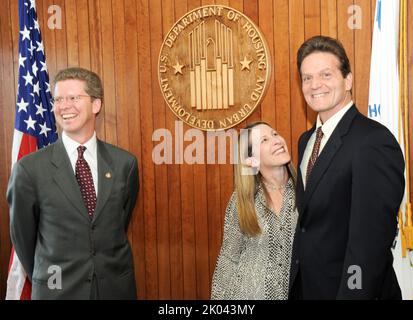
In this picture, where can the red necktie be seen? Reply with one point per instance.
(314, 154)
(85, 180)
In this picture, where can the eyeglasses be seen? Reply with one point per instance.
(71, 99)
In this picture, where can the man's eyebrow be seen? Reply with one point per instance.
(323, 70)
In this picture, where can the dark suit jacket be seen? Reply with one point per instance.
(348, 214)
(50, 225)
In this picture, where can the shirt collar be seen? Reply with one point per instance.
(71, 145)
(330, 124)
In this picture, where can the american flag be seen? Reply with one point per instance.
(34, 126)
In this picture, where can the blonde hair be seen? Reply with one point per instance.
(246, 185)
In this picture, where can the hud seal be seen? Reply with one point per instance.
(214, 67)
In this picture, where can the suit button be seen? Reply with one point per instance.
(297, 261)
(302, 230)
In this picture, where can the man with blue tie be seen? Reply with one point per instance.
(349, 188)
(71, 203)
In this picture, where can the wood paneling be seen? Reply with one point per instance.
(176, 229)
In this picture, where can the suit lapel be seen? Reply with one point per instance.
(105, 177)
(303, 143)
(65, 178)
(327, 155)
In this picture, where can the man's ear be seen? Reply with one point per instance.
(252, 162)
(349, 81)
(96, 106)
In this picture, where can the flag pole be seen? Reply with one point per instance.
(408, 225)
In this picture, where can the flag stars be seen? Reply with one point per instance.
(36, 88)
(22, 105)
(30, 123)
(32, 47)
(35, 68)
(32, 4)
(32, 108)
(44, 129)
(21, 60)
(25, 33)
(29, 78)
(40, 46)
(44, 67)
(36, 25)
(40, 109)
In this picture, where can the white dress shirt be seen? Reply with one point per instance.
(90, 155)
(327, 128)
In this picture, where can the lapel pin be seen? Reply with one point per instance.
(108, 175)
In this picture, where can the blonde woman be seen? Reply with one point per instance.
(254, 261)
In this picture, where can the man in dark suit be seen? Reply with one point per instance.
(350, 185)
(71, 203)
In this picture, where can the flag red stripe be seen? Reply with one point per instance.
(27, 290)
(28, 145)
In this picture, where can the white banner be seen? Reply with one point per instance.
(384, 107)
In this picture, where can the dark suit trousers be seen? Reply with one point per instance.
(297, 288)
(94, 289)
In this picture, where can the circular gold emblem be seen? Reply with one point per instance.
(214, 67)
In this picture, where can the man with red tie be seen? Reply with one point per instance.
(349, 188)
(72, 240)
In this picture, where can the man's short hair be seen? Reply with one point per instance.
(324, 44)
(93, 84)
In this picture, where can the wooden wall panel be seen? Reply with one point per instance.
(73, 36)
(83, 34)
(312, 27)
(148, 187)
(362, 49)
(176, 230)
(298, 122)
(281, 69)
(344, 33)
(171, 12)
(328, 17)
(162, 216)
